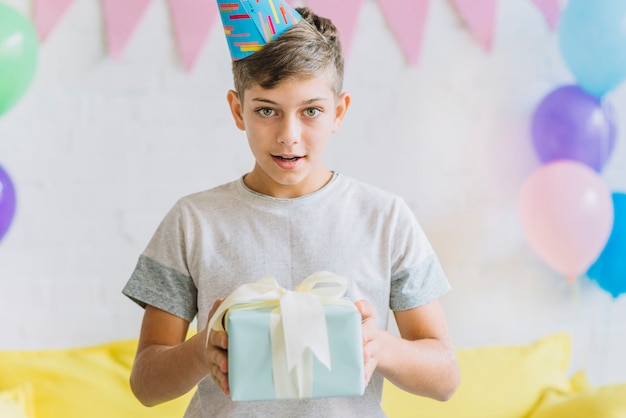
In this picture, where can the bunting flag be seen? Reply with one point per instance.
(120, 20)
(480, 17)
(551, 10)
(192, 20)
(407, 19)
(344, 15)
(47, 14)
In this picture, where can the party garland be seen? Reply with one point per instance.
(193, 19)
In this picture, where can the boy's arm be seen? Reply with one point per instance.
(166, 366)
(422, 361)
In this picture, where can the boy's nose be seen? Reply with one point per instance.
(290, 131)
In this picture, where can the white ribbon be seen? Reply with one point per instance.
(297, 326)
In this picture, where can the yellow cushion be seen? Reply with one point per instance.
(607, 401)
(82, 382)
(17, 402)
(496, 382)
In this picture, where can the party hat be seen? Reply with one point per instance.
(250, 24)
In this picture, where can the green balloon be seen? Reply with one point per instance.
(19, 44)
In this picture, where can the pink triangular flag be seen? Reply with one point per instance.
(551, 10)
(344, 15)
(47, 15)
(407, 19)
(192, 20)
(480, 17)
(120, 19)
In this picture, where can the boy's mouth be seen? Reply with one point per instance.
(288, 162)
(283, 158)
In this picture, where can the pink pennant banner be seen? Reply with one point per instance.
(344, 15)
(480, 17)
(407, 19)
(47, 15)
(120, 20)
(192, 21)
(551, 10)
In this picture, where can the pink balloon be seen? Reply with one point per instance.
(567, 215)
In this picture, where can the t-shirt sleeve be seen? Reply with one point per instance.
(161, 278)
(417, 277)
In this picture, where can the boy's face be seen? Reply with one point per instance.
(288, 129)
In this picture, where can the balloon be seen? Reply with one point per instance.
(592, 35)
(609, 271)
(18, 56)
(567, 215)
(7, 202)
(571, 124)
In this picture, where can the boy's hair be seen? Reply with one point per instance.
(309, 48)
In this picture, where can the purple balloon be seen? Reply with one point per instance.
(7, 202)
(571, 124)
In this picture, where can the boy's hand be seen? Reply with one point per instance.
(216, 354)
(370, 344)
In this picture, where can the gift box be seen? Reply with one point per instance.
(292, 344)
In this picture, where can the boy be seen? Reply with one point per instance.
(289, 217)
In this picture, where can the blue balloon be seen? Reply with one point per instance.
(592, 37)
(609, 271)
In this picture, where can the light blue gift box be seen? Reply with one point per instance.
(250, 372)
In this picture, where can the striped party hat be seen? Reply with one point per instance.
(250, 24)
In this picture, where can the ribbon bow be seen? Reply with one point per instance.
(297, 323)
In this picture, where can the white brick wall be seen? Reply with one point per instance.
(100, 149)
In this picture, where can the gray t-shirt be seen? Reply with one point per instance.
(212, 242)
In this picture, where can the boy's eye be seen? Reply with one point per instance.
(312, 112)
(265, 112)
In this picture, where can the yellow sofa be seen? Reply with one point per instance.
(527, 381)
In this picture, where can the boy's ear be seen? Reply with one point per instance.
(236, 108)
(343, 103)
